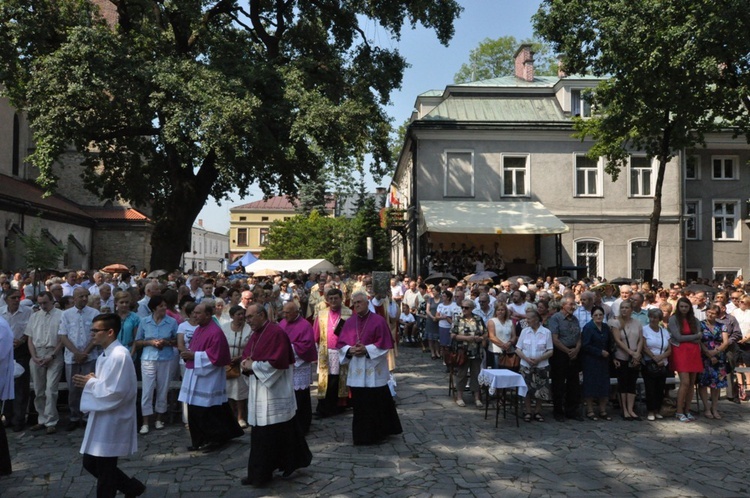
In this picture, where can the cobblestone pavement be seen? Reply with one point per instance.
(444, 451)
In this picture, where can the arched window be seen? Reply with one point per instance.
(589, 256)
(16, 164)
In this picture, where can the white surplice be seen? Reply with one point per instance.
(364, 371)
(110, 400)
(271, 399)
(205, 384)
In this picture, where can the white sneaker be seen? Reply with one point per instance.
(144, 430)
(158, 425)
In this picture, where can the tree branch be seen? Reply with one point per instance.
(221, 7)
(131, 131)
(271, 42)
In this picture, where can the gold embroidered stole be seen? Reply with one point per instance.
(323, 355)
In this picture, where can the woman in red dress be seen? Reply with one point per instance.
(685, 331)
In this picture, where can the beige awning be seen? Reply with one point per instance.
(507, 218)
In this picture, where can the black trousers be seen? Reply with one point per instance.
(5, 466)
(109, 478)
(330, 404)
(566, 385)
(304, 409)
(654, 388)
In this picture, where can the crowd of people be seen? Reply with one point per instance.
(568, 342)
(244, 350)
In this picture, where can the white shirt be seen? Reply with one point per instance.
(43, 328)
(656, 342)
(68, 289)
(535, 344)
(17, 320)
(743, 318)
(451, 310)
(110, 400)
(76, 324)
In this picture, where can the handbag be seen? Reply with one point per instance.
(653, 369)
(511, 361)
(631, 362)
(233, 371)
(455, 356)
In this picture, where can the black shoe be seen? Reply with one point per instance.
(72, 425)
(138, 487)
(17, 428)
(213, 446)
(246, 481)
(193, 448)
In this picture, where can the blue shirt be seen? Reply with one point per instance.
(149, 329)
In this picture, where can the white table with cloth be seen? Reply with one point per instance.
(504, 380)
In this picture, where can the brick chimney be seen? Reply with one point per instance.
(200, 222)
(524, 62)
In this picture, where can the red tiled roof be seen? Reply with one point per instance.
(281, 203)
(116, 213)
(25, 191)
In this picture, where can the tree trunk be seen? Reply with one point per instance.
(655, 217)
(174, 216)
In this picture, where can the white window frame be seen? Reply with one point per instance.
(737, 220)
(697, 216)
(577, 101)
(697, 169)
(630, 181)
(726, 269)
(599, 176)
(527, 175)
(735, 167)
(446, 154)
(600, 256)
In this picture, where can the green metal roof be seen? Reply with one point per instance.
(512, 81)
(527, 108)
(431, 93)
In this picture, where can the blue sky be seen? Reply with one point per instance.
(432, 67)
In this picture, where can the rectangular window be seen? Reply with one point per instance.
(725, 168)
(693, 168)
(692, 274)
(587, 176)
(691, 216)
(264, 236)
(515, 176)
(641, 177)
(726, 220)
(579, 105)
(459, 174)
(726, 274)
(243, 218)
(264, 218)
(242, 237)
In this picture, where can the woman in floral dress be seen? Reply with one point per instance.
(714, 342)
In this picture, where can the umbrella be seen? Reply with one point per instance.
(156, 274)
(482, 276)
(115, 268)
(526, 279)
(435, 278)
(701, 288)
(621, 281)
(265, 272)
(602, 286)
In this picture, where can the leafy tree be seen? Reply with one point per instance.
(494, 58)
(309, 236)
(367, 224)
(676, 70)
(40, 253)
(183, 100)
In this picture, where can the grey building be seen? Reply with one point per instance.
(491, 177)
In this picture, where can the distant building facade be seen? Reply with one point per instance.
(208, 250)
